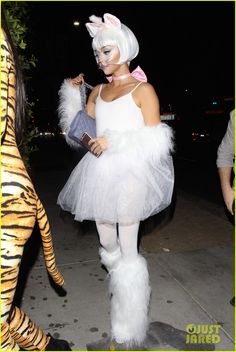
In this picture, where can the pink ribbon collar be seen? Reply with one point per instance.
(137, 73)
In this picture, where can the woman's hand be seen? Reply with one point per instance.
(228, 195)
(78, 80)
(98, 145)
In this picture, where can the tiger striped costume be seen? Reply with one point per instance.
(20, 209)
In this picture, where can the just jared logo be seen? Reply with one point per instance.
(203, 333)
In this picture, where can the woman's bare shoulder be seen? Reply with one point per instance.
(146, 87)
(96, 89)
(94, 92)
(146, 91)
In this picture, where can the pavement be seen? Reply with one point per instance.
(191, 286)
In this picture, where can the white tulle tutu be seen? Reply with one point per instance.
(117, 188)
(133, 179)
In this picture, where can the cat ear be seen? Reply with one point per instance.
(92, 28)
(95, 19)
(111, 21)
(95, 25)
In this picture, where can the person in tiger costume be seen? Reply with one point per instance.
(20, 208)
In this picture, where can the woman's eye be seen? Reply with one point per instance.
(107, 52)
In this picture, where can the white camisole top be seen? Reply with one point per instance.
(121, 114)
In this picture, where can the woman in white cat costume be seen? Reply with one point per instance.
(132, 179)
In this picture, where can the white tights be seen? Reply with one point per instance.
(128, 238)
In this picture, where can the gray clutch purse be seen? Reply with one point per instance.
(82, 123)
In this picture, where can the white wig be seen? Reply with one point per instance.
(113, 32)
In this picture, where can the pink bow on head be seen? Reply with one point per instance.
(96, 23)
(138, 73)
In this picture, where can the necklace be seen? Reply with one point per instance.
(118, 78)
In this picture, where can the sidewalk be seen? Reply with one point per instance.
(188, 286)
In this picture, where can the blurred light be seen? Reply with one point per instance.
(49, 134)
(196, 135)
(76, 23)
(168, 116)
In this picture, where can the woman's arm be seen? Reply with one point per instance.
(90, 106)
(227, 189)
(147, 99)
(225, 164)
(72, 98)
(91, 102)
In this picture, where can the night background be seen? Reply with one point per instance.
(186, 50)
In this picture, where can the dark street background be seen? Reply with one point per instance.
(186, 50)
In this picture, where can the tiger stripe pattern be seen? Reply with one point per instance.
(20, 208)
(25, 332)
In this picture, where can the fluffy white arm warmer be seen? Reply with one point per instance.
(70, 102)
(147, 142)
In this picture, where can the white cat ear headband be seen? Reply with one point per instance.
(96, 23)
(111, 21)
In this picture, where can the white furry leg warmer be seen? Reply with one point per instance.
(108, 259)
(130, 289)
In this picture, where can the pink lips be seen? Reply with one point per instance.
(103, 67)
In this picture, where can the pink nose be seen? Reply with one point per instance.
(101, 63)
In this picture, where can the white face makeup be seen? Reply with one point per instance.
(107, 56)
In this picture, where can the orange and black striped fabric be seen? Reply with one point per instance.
(20, 208)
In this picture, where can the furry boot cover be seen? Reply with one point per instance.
(130, 289)
(109, 259)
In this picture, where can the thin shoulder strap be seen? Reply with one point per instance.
(100, 89)
(136, 87)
